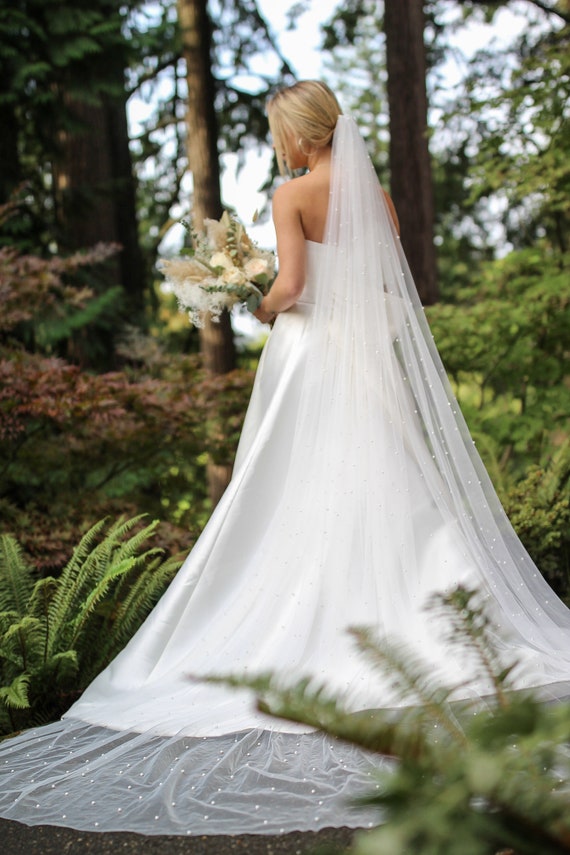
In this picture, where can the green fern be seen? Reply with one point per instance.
(15, 580)
(57, 634)
(15, 695)
(83, 573)
(140, 599)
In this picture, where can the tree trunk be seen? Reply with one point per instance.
(133, 277)
(216, 339)
(410, 163)
(95, 189)
(9, 158)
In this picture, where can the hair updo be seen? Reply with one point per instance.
(303, 115)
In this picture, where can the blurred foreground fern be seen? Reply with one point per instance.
(469, 777)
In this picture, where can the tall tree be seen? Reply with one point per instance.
(93, 171)
(217, 343)
(95, 190)
(63, 102)
(410, 165)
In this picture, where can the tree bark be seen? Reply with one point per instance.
(9, 159)
(95, 189)
(410, 163)
(216, 339)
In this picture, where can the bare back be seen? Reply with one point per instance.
(314, 202)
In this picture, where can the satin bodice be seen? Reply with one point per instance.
(314, 255)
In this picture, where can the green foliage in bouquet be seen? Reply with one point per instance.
(57, 634)
(467, 778)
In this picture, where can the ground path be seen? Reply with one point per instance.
(17, 839)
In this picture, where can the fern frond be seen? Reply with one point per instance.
(97, 594)
(471, 629)
(133, 545)
(145, 592)
(9, 656)
(15, 576)
(7, 618)
(376, 730)
(85, 569)
(42, 594)
(25, 625)
(85, 546)
(63, 665)
(15, 696)
(410, 678)
(69, 582)
(142, 596)
(55, 329)
(27, 637)
(115, 545)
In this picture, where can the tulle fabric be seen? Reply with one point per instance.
(357, 494)
(255, 782)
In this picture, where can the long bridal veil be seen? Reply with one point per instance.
(377, 390)
(357, 492)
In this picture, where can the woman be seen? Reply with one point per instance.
(356, 494)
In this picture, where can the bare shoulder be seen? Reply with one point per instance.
(302, 203)
(286, 201)
(290, 192)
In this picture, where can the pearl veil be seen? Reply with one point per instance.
(379, 351)
(357, 493)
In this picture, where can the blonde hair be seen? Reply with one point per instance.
(303, 115)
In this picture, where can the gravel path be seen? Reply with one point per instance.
(17, 839)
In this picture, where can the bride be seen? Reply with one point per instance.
(357, 492)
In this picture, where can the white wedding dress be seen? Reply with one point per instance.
(356, 494)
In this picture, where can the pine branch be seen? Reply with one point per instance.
(376, 730)
(410, 677)
(470, 627)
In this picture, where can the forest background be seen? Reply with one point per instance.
(113, 406)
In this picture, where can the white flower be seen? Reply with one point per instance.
(221, 271)
(255, 267)
(221, 259)
(233, 276)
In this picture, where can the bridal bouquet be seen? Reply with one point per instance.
(224, 267)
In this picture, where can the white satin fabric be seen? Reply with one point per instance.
(356, 494)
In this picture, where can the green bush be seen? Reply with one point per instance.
(505, 343)
(76, 445)
(539, 509)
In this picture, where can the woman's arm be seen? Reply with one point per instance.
(291, 250)
(392, 210)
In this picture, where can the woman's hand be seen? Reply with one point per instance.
(266, 316)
